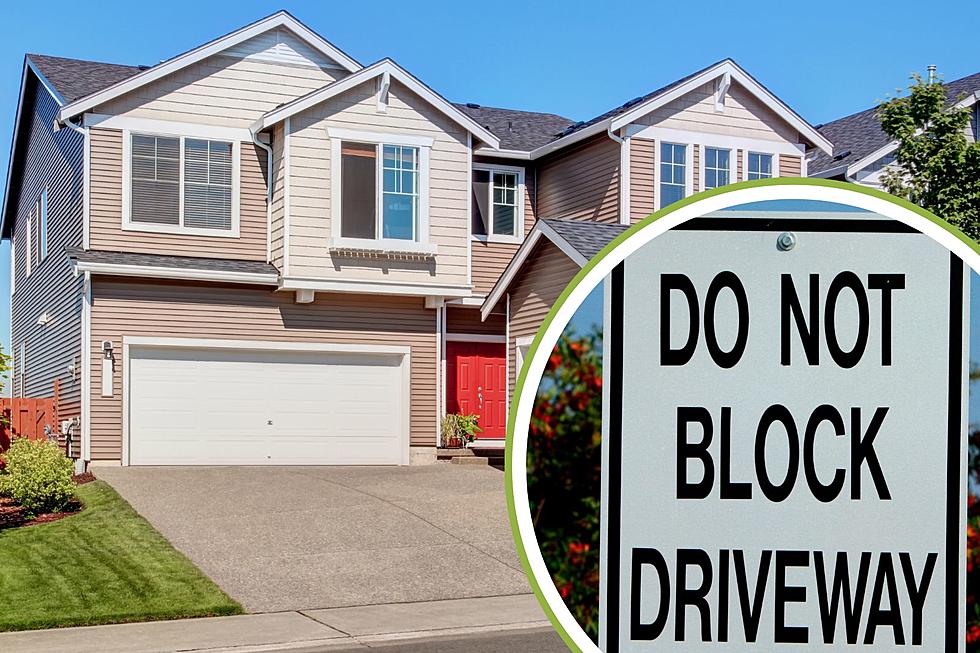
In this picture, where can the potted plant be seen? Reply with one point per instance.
(458, 430)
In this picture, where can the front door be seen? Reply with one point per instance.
(476, 384)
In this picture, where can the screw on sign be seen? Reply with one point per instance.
(785, 439)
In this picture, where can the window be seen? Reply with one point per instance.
(497, 197)
(182, 185)
(42, 209)
(397, 194)
(760, 166)
(673, 173)
(717, 167)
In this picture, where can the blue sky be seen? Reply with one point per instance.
(577, 59)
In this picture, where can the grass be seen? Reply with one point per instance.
(103, 565)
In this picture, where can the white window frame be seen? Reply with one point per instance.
(703, 164)
(688, 170)
(338, 136)
(520, 229)
(42, 222)
(745, 163)
(29, 246)
(193, 133)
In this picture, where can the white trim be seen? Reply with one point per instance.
(86, 188)
(286, 195)
(624, 181)
(86, 363)
(179, 229)
(518, 236)
(475, 301)
(420, 244)
(475, 337)
(379, 138)
(469, 206)
(440, 368)
(272, 346)
(715, 140)
(376, 287)
(384, 84)
(504, 154)
(540, 229)
(773, 167)
(385, 66)
(721, 91)
(732, 164)
(115, 269)
(731, 69)
(29, 246)
(525, 342)
(859, 165)
(279, 19)
(507, 356)
(167, 127)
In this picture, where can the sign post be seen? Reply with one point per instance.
(784, 442)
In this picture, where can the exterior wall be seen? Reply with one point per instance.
(490, 259)
(52, 160)
(221, 90)
(106, 232)
(744, 116)
(536, 289)
(311, 227)
(581, 182)
(642, 182)
(278, 226)
(790, 166)
(237, 312)
(467, 320)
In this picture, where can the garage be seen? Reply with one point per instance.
(261, 404)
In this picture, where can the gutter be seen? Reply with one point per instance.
(268, 196)
(183, 274)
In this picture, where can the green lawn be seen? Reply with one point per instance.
(103, 565)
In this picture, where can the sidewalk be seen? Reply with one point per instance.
(305, 630)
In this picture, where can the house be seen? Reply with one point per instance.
(261, 251)
(714, 127)
(862, 150)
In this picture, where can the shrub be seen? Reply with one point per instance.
(464, 427)
(38, 476)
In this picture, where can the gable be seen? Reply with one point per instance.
(281, 45)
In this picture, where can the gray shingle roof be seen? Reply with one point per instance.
(518, 130)
(175, 262)
(859, 134)
(588, 238)
(75, 78)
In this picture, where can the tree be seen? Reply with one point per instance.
(936, 165)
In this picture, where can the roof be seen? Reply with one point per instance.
(386, 69)
(158, 265)
(518, 130)
(859, 135)
(75, 78)
(588, 238)
(579, 240)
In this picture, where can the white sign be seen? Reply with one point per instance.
(785, 439)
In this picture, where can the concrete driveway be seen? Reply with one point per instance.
(301, 538)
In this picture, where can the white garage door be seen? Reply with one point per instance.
(243, 407)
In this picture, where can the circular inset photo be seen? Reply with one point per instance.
(744, 424)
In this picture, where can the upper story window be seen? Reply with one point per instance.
(717, 167)
(498, 201)
(673, 173)
(382, 189)
(42, 210)
(759, 166)
(179, 184)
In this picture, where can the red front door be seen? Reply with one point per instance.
(476, 384)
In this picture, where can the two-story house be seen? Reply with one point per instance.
(261, 251)
(712, 128)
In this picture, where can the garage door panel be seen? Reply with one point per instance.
(256, 407)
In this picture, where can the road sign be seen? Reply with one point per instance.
(785, 439)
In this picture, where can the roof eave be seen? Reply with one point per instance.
(278, 19)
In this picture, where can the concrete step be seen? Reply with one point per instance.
(471, 460)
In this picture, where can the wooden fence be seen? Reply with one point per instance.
(30, 418)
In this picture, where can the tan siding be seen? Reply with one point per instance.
(744, 116)
(534, 292)
(221, 91)
(206, 311)
(789, 166)
(310, 222)
(53, 161)
(106, 230)
(467, 320)
(581, 182)
(739, 162)
(642, 185)
(696, 167)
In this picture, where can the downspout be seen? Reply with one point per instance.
(624, 185)
(268, 196)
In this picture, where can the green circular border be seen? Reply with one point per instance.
(606, 251)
